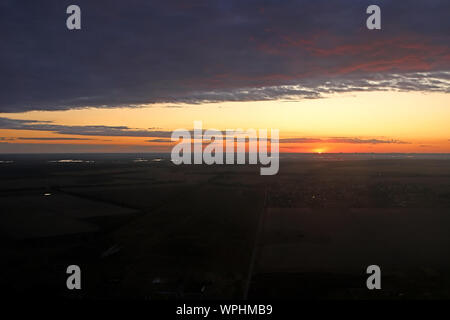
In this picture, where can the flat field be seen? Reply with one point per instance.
(153, 230)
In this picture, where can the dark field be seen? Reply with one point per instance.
(147, 229)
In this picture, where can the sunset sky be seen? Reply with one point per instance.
(139, 69)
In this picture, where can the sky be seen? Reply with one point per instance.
(137, 70)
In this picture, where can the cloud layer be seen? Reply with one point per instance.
(138, 52)
(158, 136)
(110, 131)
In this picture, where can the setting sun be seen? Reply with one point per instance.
(319, 150)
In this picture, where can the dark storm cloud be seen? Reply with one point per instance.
(138, 52)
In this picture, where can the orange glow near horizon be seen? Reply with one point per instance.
(365, 122)
(319, 150)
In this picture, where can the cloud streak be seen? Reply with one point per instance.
(159, 136)
(343, 140)
(50, 138)
(111, 131)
